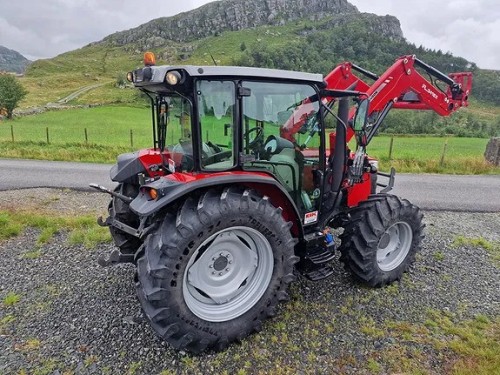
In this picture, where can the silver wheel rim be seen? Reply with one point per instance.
(228, 274)
(394, 246)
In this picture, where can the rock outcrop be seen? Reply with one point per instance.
(12, 61)
(387, 26)
(228, 15)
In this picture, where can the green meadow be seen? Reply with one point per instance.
(99, 134)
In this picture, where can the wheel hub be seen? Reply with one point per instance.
(384, 241)
(394, 245)
(228, 274)
(221, 262)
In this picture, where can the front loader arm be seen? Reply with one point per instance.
(402, 86)
(408, 89)
(341, 78)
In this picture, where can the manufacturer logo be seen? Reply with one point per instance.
(311, 217)
(429, 91)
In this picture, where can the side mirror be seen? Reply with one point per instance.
(361, 115)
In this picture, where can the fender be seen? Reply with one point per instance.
(129, 165)
(178, 185)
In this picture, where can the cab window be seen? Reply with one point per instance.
(216, 110)
(281, 129)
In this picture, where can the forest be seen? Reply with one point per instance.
(354, 42)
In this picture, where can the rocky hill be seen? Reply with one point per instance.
(12, 61)
(233, 15)
(311, 36)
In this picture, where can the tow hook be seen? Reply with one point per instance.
(102, 189)
(114, 257)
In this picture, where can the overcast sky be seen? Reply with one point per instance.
(41, 29)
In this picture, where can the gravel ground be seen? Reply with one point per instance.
(75, 317)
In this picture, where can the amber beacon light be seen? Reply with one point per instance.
(149, 59)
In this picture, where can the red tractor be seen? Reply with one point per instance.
(249, 171)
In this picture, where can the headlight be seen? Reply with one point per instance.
(130, 77)
(173, 77)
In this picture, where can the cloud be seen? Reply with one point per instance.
(467, 29)
(40, 29)
(46, 28)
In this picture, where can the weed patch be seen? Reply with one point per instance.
(493, 248)
(82, 230)
(472, 345)
(34, 254)
(5, 321)
(8, 228)
(11, 299)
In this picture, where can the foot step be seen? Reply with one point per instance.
(319, 273)
(322, 255)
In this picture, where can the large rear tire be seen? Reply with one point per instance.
(211, 274)
(381, 240)
(120, 210)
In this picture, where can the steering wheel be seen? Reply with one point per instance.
(215, 158)
(259, 136)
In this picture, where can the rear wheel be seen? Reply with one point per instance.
(214, 272)
(382, 238)
(120, 210)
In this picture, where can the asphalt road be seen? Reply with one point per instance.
(429, 191)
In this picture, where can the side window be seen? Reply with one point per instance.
(216, 105)
(176, 112)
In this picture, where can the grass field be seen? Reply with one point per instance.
(424, 154)
(109, 134)
(105, 126)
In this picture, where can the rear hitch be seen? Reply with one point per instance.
(102, 189)
(114, 257)
(110, 222)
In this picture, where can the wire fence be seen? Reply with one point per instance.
(85, 138)
(386, 147)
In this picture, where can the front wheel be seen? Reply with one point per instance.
(211, 274)
(381, 240)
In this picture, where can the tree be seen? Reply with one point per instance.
(11, 93)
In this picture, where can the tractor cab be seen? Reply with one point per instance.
(220, 120)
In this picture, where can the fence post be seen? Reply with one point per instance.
(12, 132)
(441, 162)
(390, 147)
(131, 138)
(86, 136)
(47, 132)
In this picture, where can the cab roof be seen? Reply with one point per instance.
(159, 72)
